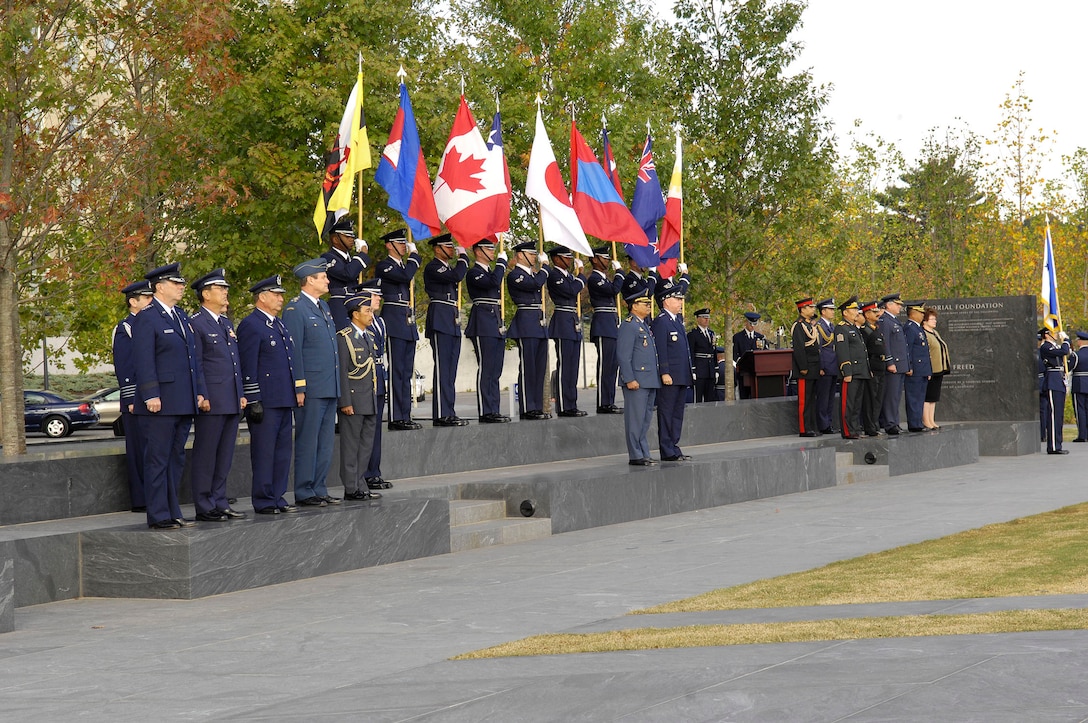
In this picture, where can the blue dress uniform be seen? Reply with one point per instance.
(806, 369)
(317, 375)
(400, 327)
(344, 270)
(921, 369)
(124, 367)
(216, 430)
(1078, 362)
(604, 329)
(636, 353)
(745, 341)
(443, 329)
(854, 363)
(358, 387)
(637, 281)
(487, 332)
(565, 328)
(719, 375)
(528, 330)
(1053, 356)
(1041, 376)
(674, 359)
(167, 369)
(374, 479)
(895, 349)
(268, 383)
(703, 341)
(829, 368)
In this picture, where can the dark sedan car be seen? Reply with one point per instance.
(56, 416)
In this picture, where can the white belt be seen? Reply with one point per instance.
(569, 309)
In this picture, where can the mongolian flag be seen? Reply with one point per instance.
(349, 155)
(1052, 315)
(544, 184)
(672, 230)
(402, 172)
(648, 207)
(599, 205)
(610, 166)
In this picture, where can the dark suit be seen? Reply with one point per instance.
(806, 371)
(826, 382)
(603, 331)
(674, 359)
(486, 330)
(1053, 357)
(527, 329)
(377, 337)
(443, 328)
(358, 388)
(344, 271)
(268, 377)
(167, 368)
(704, 361)
(742, 343)
(921, 369)
(895, 349)
(565, 327)
(854, 363)
(317, 375)
(216, 430)
(636, 355)
(124, 367)
(874, 390)
(400, 329)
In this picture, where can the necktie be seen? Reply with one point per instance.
(177, 322)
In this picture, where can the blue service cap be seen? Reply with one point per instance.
(138, 288)
(374, 286)
(826, 304)
(561, 251)
(212, 278)
(344, 226)
(354, 301)
(719, 350)
(605, 252)
(487, 242)
(398, 236)
(702, 312)
(1082, 335)
(170, 272)
(890, 297)
(443, 239)
(311, 267)
(525, 246)
(669, 289)
(752, 316)
(272, 283)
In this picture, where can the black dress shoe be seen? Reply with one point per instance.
(268, 511)
(182, 522)
(404, 425)
(141, 508)
(915, 430)
(676, 458)
(362, 495)
(807, 434)
(233, 514)
(494, 419)
(287, 509)
(450, 422)
(1058, 451)
(1078, 439)
(650, 461)
(331, 500)
(893, 431)
(573, 413)
(639, 462)
(311, 502)
(610, 409)
(827, 430)
(377, 483)
(213, 516)
(536, 414)
(164, 525)
(851, 436)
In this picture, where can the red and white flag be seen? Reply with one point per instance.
(545, 185)
(471, 188)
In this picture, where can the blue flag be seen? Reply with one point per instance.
(648, 207)
(402, 172)
(1052, 315)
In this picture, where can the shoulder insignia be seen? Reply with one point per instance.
(345, 331)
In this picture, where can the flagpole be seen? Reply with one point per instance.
(359, 178)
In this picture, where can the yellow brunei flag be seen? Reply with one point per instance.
(349, 155)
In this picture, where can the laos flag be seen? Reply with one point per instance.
(599, 206)
(402, 172)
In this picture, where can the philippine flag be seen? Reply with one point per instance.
(544, 184)
(471, 190)
(600, 207)
(648, 207)
(672, 230)
(402, 172)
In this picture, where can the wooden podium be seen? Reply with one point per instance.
(767, 372)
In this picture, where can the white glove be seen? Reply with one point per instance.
(461, 251)
(616, 266)
(682, 268)
(502, 256)
(411, 247)
(1063, 336)
(543, 258)
(578, 264)
(360, 246)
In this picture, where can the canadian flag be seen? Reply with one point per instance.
(545, 185)
(471, 189)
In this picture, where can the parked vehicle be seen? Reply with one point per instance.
(108, 404)
(55, 416)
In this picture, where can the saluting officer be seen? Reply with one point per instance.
(702, 341)
(137, 296)
(527, 328)
(344, 267)
(920, 367)
(443, 326)
(268, 382)
(486, 328)
(374, 479)
(829, 366)
(565, 327)
(1053, 355)
(358, 398)
(878, 361)
(674, 365)
(216, 427)
(169, 391)
(898, 364)
(396, 273)
(604, 324)
(806, 365)
(1078, 364)
(853, 367)
(639, 373)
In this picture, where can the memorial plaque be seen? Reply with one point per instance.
(993, 348)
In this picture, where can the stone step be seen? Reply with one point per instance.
(467, 512)
(854, 473)
(844, 459)
(498, 532)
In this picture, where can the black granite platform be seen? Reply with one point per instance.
(917, 452)
(7, 587)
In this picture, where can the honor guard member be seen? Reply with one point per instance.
(486, 328)
(806, 365)
(878, 361)
(169, 390)
(374, 479)
(1078, 363)
(1041, 377)
(746, 340)
(317, 383)
(639, 279)
(1053, 352)
(358, 398)
(829, 366)
(898, 364)
(565, 327)
(853, 368)
(674, 365)
(527, 328)
(347, 259)
(720, 370)
(396, 272)
(604, 324)
(268, 383)
(137, 296)
(441, 277)
(920, 368)
(216, 426)
(702, 341)
(639, 374)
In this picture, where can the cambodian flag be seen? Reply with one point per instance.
(402, 172)
(596, 201)
(648, 207)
